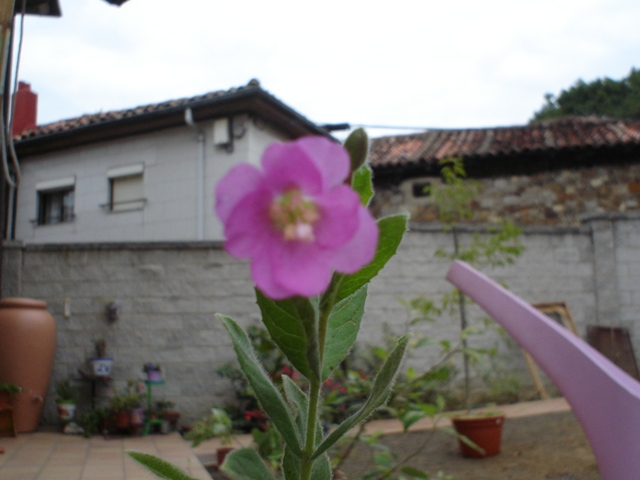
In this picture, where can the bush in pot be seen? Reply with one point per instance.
(66, 399)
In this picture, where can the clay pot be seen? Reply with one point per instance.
(484, 431)
(122, 419)
(222, 453)
(27, 346)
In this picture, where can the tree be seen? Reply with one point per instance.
(602, 97)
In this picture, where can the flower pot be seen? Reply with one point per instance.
(222, 453)
(102, 366)
(154, 376)
(484, 431)
(27, 346)
(66, 411)
(137, 417)
(122, 419)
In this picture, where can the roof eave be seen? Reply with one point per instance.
(249, 101)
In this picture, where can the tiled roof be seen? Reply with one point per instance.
(171, 107)
(568, 133)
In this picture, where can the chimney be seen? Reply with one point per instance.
(26, 109)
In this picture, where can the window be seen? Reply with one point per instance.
(421, 189)
(55, 201)
(126, 188)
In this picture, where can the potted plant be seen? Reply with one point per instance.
(127, 406)
(101, 364)
(66, 399)
(216, 425)
(153, 371)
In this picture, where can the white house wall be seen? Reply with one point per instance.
(170, 159)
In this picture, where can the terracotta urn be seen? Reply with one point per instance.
(27, 347)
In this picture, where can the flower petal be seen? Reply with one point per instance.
(240, 180)
(331, 158)
(361, 249)
(287, 166)
(301, 267)
(262, 274)
(248, 229)
(338, 217)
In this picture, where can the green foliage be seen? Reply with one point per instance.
(269, 445)
(66, 392)
(92, 420)
(216, 425)
(10, 387)
(160, 467)
(131, 397)
(601, 97)
(454, 196)
(246, 464)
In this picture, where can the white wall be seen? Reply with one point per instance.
(171, 175)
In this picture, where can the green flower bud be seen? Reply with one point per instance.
(357, 144)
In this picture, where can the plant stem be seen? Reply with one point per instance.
(312, 421)
(326, 305)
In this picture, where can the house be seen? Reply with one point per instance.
(550, 173)
(145, 173)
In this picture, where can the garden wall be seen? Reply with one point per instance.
(169, 293)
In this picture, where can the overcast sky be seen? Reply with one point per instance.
(438, 64)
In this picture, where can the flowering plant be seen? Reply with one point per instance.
(302, 222)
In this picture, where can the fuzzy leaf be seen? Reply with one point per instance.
(392, 230)
(342, 330)
(292, 326)
(158, 466)
(361, 183)
(246, 464)
(268, 395)
(379, 394)
(298, 402)
(292, 467)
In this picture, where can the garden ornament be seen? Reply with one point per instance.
(605, 399)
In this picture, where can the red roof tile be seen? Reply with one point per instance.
(567, 133)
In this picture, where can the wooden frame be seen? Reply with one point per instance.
(559, 312)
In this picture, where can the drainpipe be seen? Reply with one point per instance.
(188, 118)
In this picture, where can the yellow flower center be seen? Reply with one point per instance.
(294, 215)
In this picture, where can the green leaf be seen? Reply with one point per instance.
(268, 395)
(411, 417)
(292, 467)
(298, 402)
(292, 326)
(415, 473)
(379, 394)
(392, 230)
(161, 468)
(342, 330)
(361, 183)
(246, 464)
(357, 144)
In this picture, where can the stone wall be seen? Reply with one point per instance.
(554, 197)
(170, 292)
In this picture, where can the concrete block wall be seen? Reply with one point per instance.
(170, 292)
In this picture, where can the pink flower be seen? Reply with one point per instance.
(296, 220)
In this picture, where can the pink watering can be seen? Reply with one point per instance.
(604, 399)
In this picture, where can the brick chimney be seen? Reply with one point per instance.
(26, 109)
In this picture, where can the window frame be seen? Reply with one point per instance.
(54, 195)
(121, 173)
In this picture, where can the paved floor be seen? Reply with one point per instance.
(53, 456)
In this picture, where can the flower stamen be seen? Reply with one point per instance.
(294, 215)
